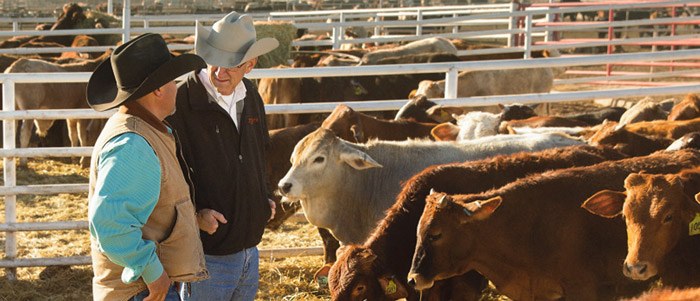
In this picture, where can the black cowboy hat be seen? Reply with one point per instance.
(135, 69)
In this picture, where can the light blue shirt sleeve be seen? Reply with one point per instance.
(126, 191)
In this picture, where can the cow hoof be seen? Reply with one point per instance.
(321, 275)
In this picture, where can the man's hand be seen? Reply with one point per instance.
(273, 206)
(209, 219)
(157, 290)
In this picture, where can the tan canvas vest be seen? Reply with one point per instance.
(172, 225)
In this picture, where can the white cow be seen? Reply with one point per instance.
(346, 187)
(430, 45)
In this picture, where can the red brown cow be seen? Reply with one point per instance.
(633, 144)
(391, 244)
(540, 121)
(687, 109)
(663, 225)
(354, 126)
(664, 128)
(530, 238)
(281, 91)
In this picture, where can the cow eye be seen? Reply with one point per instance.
(668, 218)
(319, 160)
(359, 289)
(432, 238)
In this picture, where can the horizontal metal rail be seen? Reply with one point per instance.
(85, 260)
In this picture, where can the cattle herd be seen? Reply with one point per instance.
(438, 208)
(435, 202)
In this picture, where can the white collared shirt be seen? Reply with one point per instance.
(227, 102)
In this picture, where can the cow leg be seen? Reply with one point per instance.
(25, 134)
(283, 211)
(81, 126)
(73, 135)
(330, 245)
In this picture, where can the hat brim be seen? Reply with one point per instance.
(226, 59)
(103, 93)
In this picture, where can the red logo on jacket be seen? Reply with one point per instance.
(253, 120)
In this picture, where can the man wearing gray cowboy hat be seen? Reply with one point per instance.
(143, 231)
(220, 122)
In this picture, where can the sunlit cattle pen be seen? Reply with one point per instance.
(575, 61)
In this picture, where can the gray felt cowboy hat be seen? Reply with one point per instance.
(135, 69)
(231, 41)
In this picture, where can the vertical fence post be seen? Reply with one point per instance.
(528, 36)
(451, 83)
(419, 26)
(338, 33)
(512, 24)
(126, 21)
(9, 174)
(611, 16)
(549, 35)
(455, 29)
(673, 33)
(110, 7)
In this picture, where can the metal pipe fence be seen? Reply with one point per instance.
(9, 115)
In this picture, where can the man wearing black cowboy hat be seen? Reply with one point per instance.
(220, 122)
(143, 229)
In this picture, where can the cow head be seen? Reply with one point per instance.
(657, 213)
(516, 111)
(416, 108)
(431, 89)
(344, 122)
(689, 140)
(444, 244)
(318, 158)
(357, 275)
(613, 134)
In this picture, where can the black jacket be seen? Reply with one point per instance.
(226, 169)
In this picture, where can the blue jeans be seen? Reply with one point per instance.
(172, 295)
(232, 277)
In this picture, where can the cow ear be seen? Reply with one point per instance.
(442, 113)
(368, 256)
(445, 132)
(357, 132)
(392, 287)
(500, 106)
(482, 209)
(606, 203)
(357, 159)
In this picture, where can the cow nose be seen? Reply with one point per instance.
(285, 188)
(636, 270)
(412, 282)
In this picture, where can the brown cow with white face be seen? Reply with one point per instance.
(663, 227)
(531, 238)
